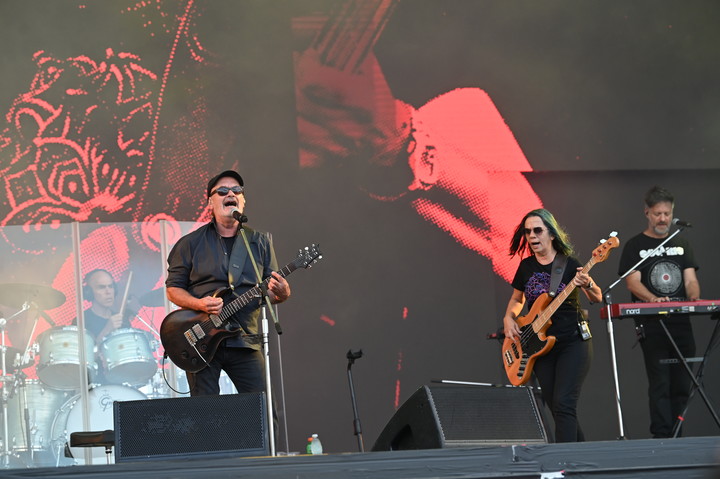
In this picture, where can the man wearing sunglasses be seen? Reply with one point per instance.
(215, 257)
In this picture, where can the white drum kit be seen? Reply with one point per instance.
(38, 415)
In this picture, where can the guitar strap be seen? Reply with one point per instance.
(558, 269)
(238, 256)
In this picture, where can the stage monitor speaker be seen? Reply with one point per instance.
(224, 425)
(464, 415)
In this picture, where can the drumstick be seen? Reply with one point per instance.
(125, 295)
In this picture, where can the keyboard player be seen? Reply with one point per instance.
(670, 273)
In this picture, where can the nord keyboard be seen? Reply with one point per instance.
(631, 310)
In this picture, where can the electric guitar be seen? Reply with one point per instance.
(191, 338)
(519, 355)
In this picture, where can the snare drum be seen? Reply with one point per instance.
(59, 365)
(41, 404)
(100, 410)
(127, 357)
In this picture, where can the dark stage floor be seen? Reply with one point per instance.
(648, 458)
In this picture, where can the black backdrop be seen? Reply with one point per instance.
(605, 100)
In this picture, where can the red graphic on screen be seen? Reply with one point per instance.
(454, 159)
(79, 145)
(60, 167)
(94, 139)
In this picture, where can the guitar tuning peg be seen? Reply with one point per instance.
(603, 241)
(613, 234)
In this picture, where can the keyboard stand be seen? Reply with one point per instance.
(696, 383)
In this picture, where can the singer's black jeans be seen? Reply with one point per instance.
(561, 374)
(244, 366)
(246, 369)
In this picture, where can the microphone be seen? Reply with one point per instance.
(239, 216)
(679, 222)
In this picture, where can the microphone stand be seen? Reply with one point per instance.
(266, 349)
(352, 356)
(268, 381)
(611, 332)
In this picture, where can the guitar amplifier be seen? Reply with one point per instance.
(464, 416)
(225, 425)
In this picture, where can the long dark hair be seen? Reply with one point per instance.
(561, 241)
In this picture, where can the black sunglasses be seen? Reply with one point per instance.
(224, 190)
(537, 230)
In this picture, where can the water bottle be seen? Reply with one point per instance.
(308, 448)
(315, 445)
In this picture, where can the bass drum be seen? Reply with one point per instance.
(41, 405)
(100, 406)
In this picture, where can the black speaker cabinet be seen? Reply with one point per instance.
(225, 425)
(464, 415)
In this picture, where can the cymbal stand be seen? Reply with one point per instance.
(149, 326)
(5, 392)
(21, 383)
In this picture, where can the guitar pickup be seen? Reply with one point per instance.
(199, 332)
(508, 357)
(521, 369)
(190, 336)
(216, 321)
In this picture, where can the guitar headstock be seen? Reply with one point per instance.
(308, 256)
(601, 253)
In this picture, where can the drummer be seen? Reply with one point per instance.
(99, 288)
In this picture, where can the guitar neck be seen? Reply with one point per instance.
(547, 313)
(255, 292)
(351, 31)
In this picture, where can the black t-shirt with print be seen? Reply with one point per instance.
(533, 279)
(662, 274)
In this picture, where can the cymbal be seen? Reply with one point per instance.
(16, 294)
(154, 298)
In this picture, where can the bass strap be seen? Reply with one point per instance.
(558, 268)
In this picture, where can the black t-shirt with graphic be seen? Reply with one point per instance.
(533, 279)
(662, 274)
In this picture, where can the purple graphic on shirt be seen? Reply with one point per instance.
(537, 285)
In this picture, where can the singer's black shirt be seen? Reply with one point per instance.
(200, 264)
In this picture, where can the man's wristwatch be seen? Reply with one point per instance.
(589, 285)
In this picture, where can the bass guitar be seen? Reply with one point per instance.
(191, 338)
(519, 355)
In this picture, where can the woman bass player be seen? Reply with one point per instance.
(562, 370)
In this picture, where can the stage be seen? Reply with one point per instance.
(648, 458)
